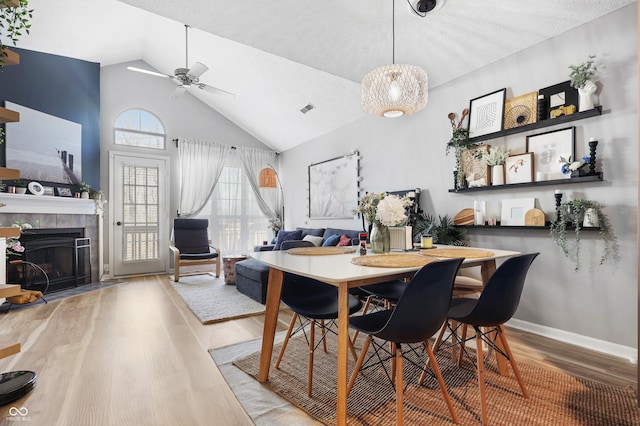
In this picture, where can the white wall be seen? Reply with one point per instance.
(187, 117)
(599, 301)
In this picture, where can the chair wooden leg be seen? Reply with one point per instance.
(324, 336)
(312, 344)
(286, 339)
(353, 350)
(462, 343)
(516, 371)
(176, 272)
(392, 349)
(399, 385)
(443, 387)
(365, 308)
(356, 369)
(218, 267)
(436, 346)
(481, 384)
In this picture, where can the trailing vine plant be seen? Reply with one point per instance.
(571, 213)
(14, 20)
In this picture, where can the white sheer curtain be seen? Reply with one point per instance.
(200, 166)
(270, 200)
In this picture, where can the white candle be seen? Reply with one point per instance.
(558, 191)
(592, 139)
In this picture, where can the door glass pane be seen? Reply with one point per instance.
(140, 213)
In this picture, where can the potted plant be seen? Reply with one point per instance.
(459, 141)
(574, 214)
(85, 189)
(21, 186)
(442, 230)
(581, 78)
(495, 159)
(14, 20)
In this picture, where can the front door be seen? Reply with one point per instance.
(139, 214)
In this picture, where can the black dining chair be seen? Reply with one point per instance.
(419, 313)
(312, 302)
(497, 303)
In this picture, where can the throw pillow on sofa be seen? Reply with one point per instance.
(331, 241)
(345, 240)
(316, 241)
(287, 236)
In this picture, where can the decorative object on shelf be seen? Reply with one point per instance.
(464, 217)
(479, 212)
(513, 211)
(534, 217)
(572, 214)
(562, 110)
(521, 110)
(21, 186)
(582, 79)
(547, 148)
(474, 169)
(574, 168)
(63, 191)
(558, 197)
(48, 191)
(14, 21)
(495, 159)
(459, 141)
(84, 188)
(486, 113)
(394, 90)
(560, 95)
(592, 156)
(35, 188)
(541, 108)
(519, 168)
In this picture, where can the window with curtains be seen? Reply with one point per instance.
(236, 224)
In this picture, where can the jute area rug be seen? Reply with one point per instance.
(554, 398)
(211, 300)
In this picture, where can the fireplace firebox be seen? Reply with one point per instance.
(63, 253)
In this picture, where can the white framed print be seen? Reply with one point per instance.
(518, 168)
(547, 148)
(513, 211)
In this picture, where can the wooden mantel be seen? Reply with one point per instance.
(8, 116)
(10, 3)
(12, 58)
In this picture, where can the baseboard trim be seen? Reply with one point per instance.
(609, 348)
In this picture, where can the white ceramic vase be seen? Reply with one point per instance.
(497, 175)
(585, 96)
(590, 219)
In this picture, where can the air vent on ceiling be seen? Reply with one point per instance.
(307, 108)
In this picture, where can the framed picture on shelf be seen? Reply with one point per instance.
(513, 211)
(64, 191)
(521, 110)
(486, 113)
(48, 190)
(547, 148)
(474, 168)
(519, 168)
(560, 99)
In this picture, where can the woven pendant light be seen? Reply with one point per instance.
(267, 178)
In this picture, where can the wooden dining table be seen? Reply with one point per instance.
(338, 270)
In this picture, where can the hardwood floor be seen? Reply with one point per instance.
(135, 354)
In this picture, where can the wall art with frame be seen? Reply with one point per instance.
(518, 168)
(513, 211)
(547, 148)
(521, 110)
(561, 98)
(486, 113)
(474, 168)
(334, 187)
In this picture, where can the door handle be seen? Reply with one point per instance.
(118, 223)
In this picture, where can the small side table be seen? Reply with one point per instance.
(229, 265)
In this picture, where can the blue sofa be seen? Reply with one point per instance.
(252, 276)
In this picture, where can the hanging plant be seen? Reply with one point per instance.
(14, 21)
(571, 214)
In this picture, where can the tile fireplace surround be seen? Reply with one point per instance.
(54, 212)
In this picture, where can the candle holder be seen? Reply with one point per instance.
(558, 202)
(592, 157)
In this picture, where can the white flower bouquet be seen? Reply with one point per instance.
(391, 210)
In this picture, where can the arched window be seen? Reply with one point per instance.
(139, 128)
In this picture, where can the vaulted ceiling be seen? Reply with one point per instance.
(277, 57)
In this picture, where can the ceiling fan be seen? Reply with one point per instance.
(187, 78)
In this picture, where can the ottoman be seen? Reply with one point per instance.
(252, 277)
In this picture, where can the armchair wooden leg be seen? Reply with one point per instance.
(218, 267)
(176, 272)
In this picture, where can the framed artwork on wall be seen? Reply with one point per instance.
(521, 110)
(560, 99)
(519, 168)
(474, 168)
(547, 148)
(333, 188)
(486, 113)
(513, 211)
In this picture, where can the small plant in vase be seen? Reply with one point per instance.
(577, 214)
(496, 158)
(459, 141)
(582, 79)
(21, 186)
(85, 190)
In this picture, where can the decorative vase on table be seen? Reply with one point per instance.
(585, 96)
(380, 239)
(497, 175)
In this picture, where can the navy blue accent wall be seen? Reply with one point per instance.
(63, 87)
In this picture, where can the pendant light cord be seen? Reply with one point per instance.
(393, 32)
(186, 46)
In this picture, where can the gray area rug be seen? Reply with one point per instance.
(211, 300)
(263, 405)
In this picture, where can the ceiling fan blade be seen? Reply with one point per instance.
(215, 90)
(178, 92)
(197, 69)
(157, 74)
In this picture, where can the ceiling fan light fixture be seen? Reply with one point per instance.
(394, 90)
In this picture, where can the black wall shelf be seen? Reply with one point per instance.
(546, 227)
(598, 177)
(541, 124)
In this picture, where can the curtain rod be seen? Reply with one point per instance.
(176, 141)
